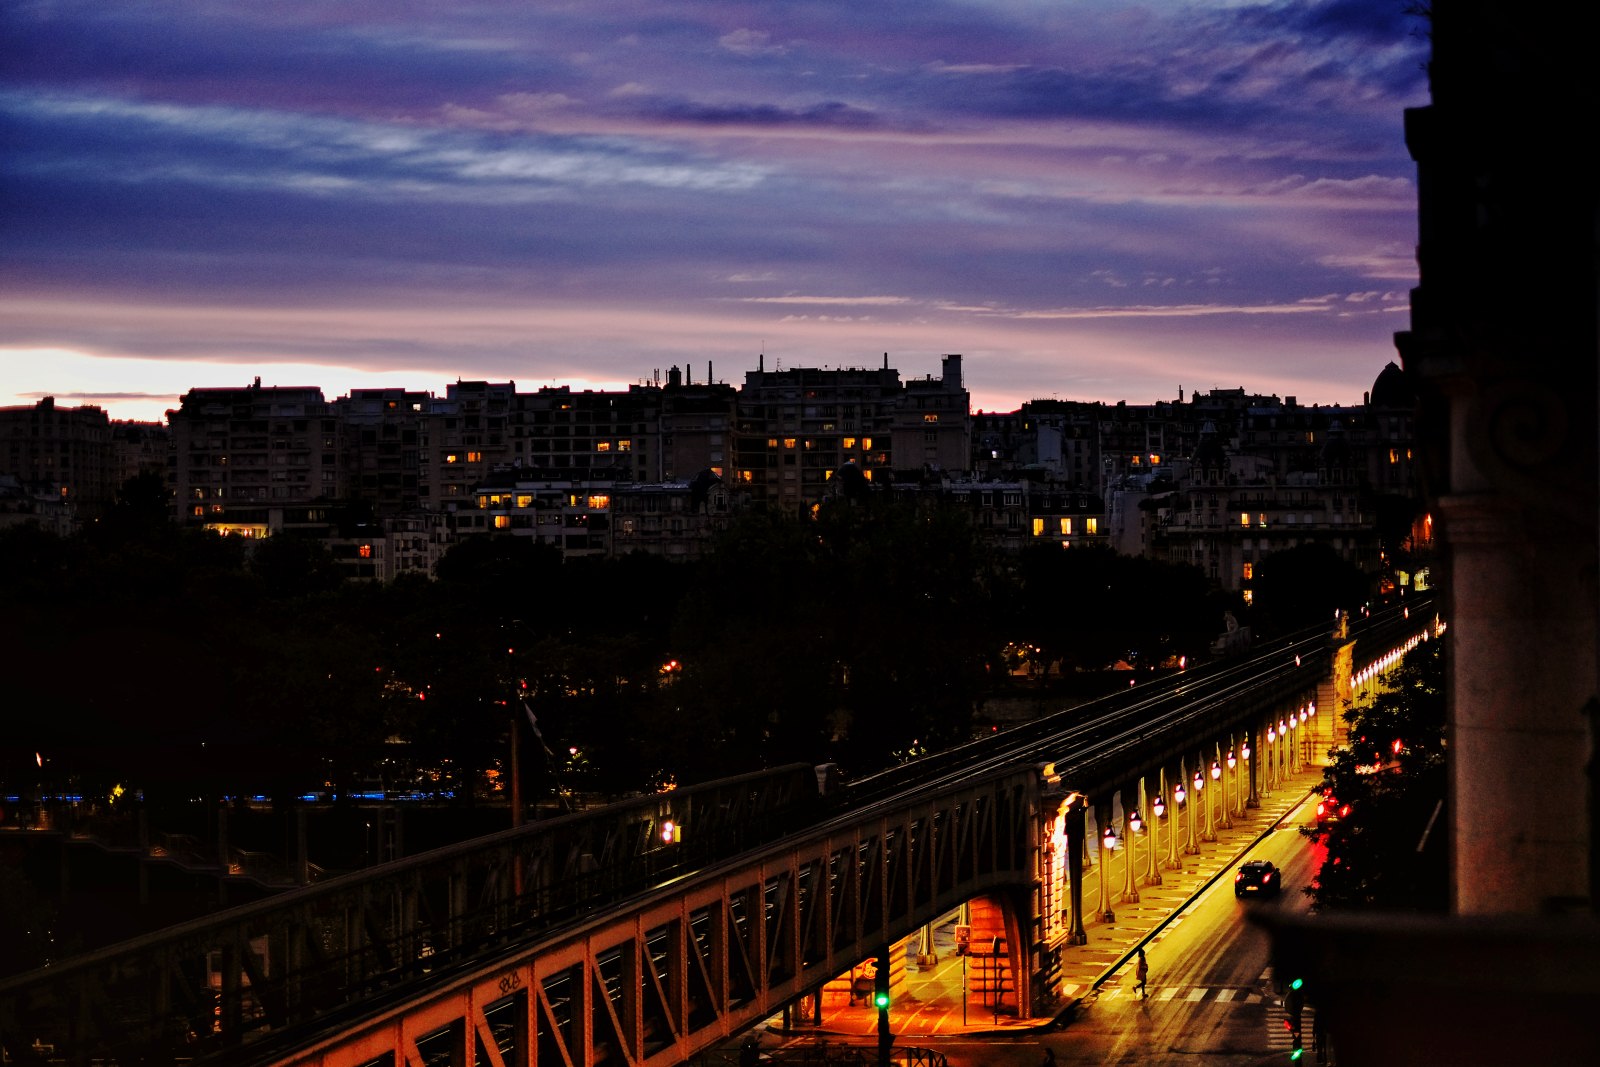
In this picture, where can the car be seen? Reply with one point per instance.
(1329, 810)
(1257, 878)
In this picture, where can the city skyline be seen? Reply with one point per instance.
(1097, 201)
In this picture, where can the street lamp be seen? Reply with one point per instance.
(1159, 806)
(1134, 822)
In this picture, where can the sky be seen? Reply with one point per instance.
(1089, 199)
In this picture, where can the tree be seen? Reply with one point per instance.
(1389, 851)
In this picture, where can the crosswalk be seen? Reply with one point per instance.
(1191, 994)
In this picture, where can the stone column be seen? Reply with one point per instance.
(1075, 932)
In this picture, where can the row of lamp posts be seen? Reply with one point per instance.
(1279, 755)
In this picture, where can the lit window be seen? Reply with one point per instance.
(502, 522)
(1038, 527)
(450, 457)
(524, 500)
(810, 443)
(1261, 519)
(199, 509)
(1249, 571)
(216, 508)
(474, 457)
(1394, 455)
(1066, 526)
(930, 417)
(772, 442)
(1244, 518)
(572, 500)
(1135, 461)
(867, 475)
(866, 442)
(745, 476)
(849, 442)
(1154, 459)
(602, 446)
(599, 502)
(624, 445)
(365, 551)
(1249, 597)
(1091, 526)
(788, 442)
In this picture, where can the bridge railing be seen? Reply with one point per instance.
(216, 982)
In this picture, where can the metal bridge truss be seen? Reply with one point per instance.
(212, 986)
(656, 980)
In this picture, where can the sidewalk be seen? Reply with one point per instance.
(929, 1002)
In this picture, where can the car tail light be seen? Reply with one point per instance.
(1239, 877)
(1267, 877)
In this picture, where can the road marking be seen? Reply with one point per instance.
(1224, 995)
(1196, 994)
(1166, 994)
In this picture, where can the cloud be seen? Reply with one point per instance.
(750, 43)
(881, 301)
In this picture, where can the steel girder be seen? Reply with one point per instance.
(672, 973)
(213, 985)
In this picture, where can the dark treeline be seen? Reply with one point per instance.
(186, 665)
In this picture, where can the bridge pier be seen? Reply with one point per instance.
(1226, 820)
(1153, 837)
(1191, 846)
(1076, 935)
(1130, 891)
(1175, 818)
(1251, 754)
(1102, 822)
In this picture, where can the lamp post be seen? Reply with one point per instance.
(1233, 766)
(1224, 821)
(1152, 875)
(1272, 735)
(1130, 830)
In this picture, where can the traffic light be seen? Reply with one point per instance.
(1294, 1004)
(880, 986)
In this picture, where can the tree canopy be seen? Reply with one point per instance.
(1389, 851)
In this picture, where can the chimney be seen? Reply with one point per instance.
(951, 368)
(673, 377)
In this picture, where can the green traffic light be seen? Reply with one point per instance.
(1295, 1055)
(1297, 983)
(881, 1000)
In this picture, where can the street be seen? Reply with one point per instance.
(1211, 996)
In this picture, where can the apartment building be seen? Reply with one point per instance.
(62, 452)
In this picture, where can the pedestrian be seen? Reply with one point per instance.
(1049, 1057)
(1142, 972)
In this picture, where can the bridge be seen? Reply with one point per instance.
(651, 930)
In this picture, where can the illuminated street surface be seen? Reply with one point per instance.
(1211, 997)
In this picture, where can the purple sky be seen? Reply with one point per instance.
(1090, 199)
